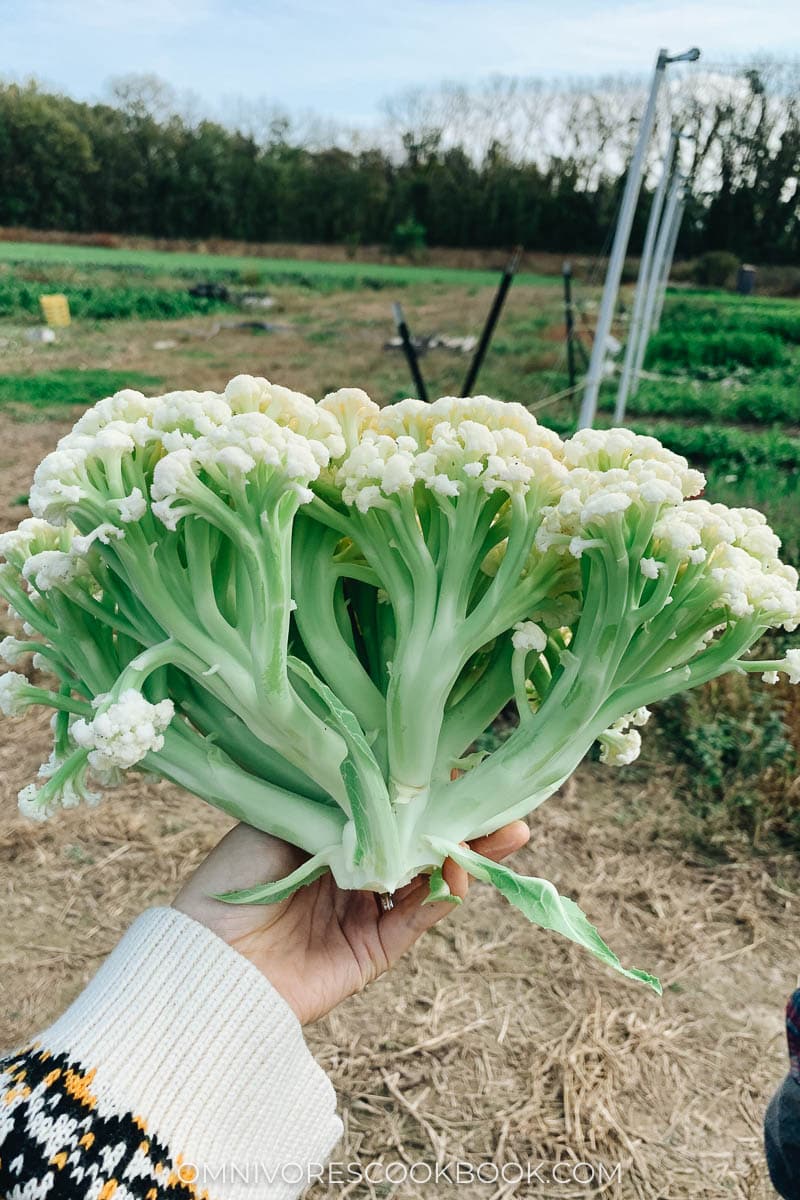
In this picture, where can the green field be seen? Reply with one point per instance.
(721, 381)
(53, 389)
(339, 274)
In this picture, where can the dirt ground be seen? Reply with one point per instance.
(494, 1042)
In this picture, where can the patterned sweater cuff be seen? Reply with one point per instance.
(185, 1034)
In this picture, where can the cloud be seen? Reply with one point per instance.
(629, 34)
(341, 59)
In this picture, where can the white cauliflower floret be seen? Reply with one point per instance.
(651, 568)
(619, 748)
(444, 446)
(11, 650)
(122, 734)
(53, 568)
(528, 635)
(30, 536)
(127, 406)
(59, 484)
(232, 455)
(132, 507)
(67, 787)
(13, 693)
(792, 665)
(620, 744)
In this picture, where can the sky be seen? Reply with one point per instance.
(342, 59)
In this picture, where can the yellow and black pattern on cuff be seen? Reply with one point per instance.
(57, 1141)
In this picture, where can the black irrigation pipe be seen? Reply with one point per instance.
(491, 321)
(410, 352)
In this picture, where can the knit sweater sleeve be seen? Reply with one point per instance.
(179, 1072)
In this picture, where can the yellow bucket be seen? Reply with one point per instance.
(56, 310)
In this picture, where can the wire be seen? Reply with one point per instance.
(532, 408)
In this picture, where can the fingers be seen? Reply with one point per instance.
(503, 842)
(456, 879)
(410, 918)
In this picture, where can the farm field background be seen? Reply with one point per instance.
(330, 273)
(722, 373)
(493, 1040)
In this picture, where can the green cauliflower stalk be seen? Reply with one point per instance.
(307, 613)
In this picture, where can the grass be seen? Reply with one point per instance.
(53, 389)
(20, 299)
(343, 275)
(736, 744)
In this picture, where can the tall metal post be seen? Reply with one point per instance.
(670, 255)
(616, 262)
(622, 235)
(645, 267)
(569, 322)
(665, 236)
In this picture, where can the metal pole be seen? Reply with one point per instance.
(410, 352)
(673, 241)
(645, 265)
(616, 262)
(659, 259)
(491, 321)
(569, 322)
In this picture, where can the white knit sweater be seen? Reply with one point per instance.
(178, 1071)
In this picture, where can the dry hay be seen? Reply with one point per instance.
(493, 1041)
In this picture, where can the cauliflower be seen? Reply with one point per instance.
(306, 613)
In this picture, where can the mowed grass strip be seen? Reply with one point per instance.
(54, 389)
(349, 274)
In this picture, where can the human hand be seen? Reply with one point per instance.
(322, 944)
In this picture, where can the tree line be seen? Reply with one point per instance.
(504, 163)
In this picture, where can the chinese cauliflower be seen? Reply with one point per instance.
(307, 613)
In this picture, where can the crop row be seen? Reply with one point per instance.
(776, 318)
(724, 350)
(759, 403)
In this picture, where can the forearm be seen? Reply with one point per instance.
(178, 1064)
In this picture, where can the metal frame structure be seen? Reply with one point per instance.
(662, 258)
(643, 279)
(630, 197)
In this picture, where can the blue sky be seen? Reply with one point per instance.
(341, 59)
